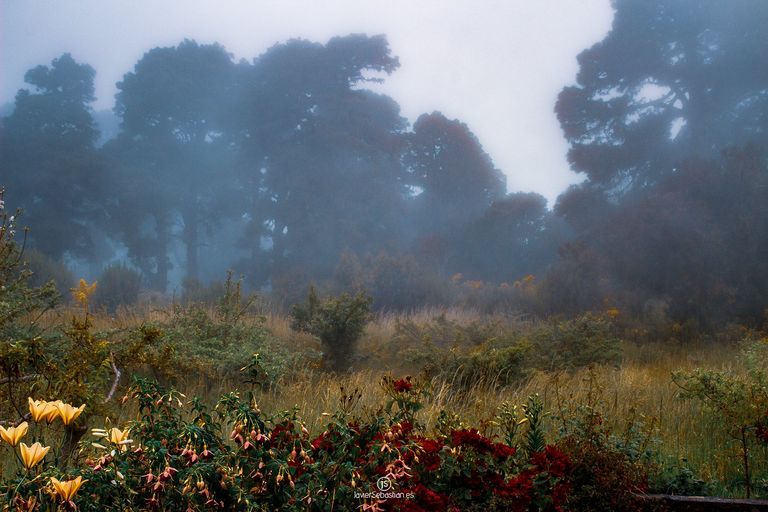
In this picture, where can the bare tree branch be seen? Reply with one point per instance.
(118, 373)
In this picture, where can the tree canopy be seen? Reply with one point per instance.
(671, 81)
(47, 148)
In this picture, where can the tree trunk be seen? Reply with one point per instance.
(191, 241)
(163, 263)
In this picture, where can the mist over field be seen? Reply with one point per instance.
(499, 197)
(292, 167)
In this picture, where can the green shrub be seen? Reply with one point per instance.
(610, 469)
(494, 364)
(680, 480)
(338, 322)
(570, 344)
(45, 269)
(740, 403)
(214, 341)
(23, 358)
(118, 285)
(497, 353)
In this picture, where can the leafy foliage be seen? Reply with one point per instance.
(740, 403)
(338, 322)
(118, 285)
(179, 454)
(49, 157)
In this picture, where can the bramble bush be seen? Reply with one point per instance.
(497, 355)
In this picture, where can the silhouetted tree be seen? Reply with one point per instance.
(455, 178)
(671, 81)
(49, 163)
(175, 156)
(324, 155)
(699, 241)
(515, 237)
(673, 204)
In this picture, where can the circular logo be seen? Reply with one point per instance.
(383, 484)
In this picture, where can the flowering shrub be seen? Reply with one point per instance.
(180, 455)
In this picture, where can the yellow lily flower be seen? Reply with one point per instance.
(37, 409)
(52, 411)
(43, 411)
(67, 413)
(117, 436)
(67, 489)
(31, 455)
(13, 435)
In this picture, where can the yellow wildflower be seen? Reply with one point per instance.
(31, 455)
(67, 413)
(67, 489)
(83, 292)
(44, 411)
(118, 436)
(13, 435)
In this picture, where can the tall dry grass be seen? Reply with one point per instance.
(638, 389)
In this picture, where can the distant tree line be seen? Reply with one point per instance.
(287, 169)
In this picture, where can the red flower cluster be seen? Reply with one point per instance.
(402, 385)
(283, 434)
(553, 461)
(431, 456)
(322, 443)
(472, 437)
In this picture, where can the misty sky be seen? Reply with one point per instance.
(496, 65)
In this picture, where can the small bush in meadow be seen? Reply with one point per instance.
(119, 285)
(214, 341)
(568, 344)
(45, 269)
(338, 322)
(741, 404)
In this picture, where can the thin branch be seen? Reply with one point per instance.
(15, 423)
(118, 373)
(23, 378)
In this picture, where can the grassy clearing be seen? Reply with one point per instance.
(635, 391)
